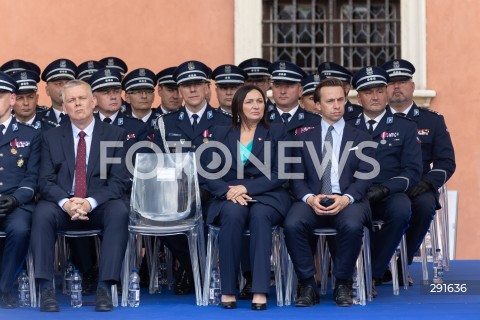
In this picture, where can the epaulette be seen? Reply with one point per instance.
(220, 110)
(54, 124)
(129, 116)
(403, 117)
(430, 110)
(27, 125)
(41, 108)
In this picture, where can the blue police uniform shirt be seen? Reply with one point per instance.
(301, 121)
(20, 162)
(437, 147)
(176, 127)
(398, 151)
(150, 121)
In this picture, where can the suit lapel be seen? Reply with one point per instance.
(94, 149)
(259, 139)
(233, 144)
(185, 125)
(384, 124)
(68, 148)
(204, 122)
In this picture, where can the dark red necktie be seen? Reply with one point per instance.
(81, 168)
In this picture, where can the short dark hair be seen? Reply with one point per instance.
(329, 82)
(237, 105)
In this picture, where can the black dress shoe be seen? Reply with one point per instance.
(309, 296)
(48, 303)
(183, 282)
(103, 302)
(246, 293)
(8, 300)
(259, 306)
(229, 305)
(387, 276)
(343, 295)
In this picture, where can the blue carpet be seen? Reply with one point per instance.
(410, 304)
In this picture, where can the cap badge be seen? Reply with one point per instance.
(369, 71)
(108, 73)
(141, 72)
(228, 69)
(327, 65)
(191, 66)
(282, 66)
(23, 75)
(90, 64)
(15, 64)
(111, 62)
(316, 78)
(63, 63)
(396, 64)
(254, 63)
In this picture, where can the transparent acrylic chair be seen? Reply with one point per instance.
(165, 201)
(212, 256)
(363, 266)
(30, 273)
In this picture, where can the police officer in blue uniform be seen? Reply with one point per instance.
(35, 68)
(334, 70)
(183, 131)
(139, 87)
(119, 65)
(168, 91)
(258, 75)
(309, 84)
(19, 166)
(287, 89)
(26, 99)
(228, 79)
(438, 155)
(56, 75)
(13, 66)
(87, 68)
(399, 156)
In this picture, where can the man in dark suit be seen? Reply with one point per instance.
(81, 190)
(438, 155)
(400, 158)
(183, 131)
(287, 89)
(56, 74)
(19, 164)
(348, 212)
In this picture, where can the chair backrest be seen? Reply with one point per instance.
(165, 189)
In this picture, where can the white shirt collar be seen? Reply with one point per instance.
(199, 113)
(406, 111)
(6, 124)
(88, 130)
(337, 126)
(112, 117)
(292, 112)
(144, 119)
(57, 114)
(377, 119)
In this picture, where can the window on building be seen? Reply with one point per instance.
(353, 33)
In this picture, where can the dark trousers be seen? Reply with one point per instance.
(299, 224)
(395, 212)
(423, 211)
(111, 217)
(17, 227)
(233, 220)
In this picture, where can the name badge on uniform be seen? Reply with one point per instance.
(357, 122)
(120, 121)
(180, 116)
(301, 116)
(416, 112)
(272, 116)
(389, 120)
(209, 115)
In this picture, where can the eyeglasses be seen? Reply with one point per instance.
(141, 92)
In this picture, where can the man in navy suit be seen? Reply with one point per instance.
(348, 212)
(400, 158)
(438, 155)
(19, 164)
(81, 191)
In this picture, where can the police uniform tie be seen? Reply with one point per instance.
(194, 122)
(285, 116)
(107, 120)
(1, 131)
(62, 117)
(81, 168)
(327, 174)
(370, 128)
